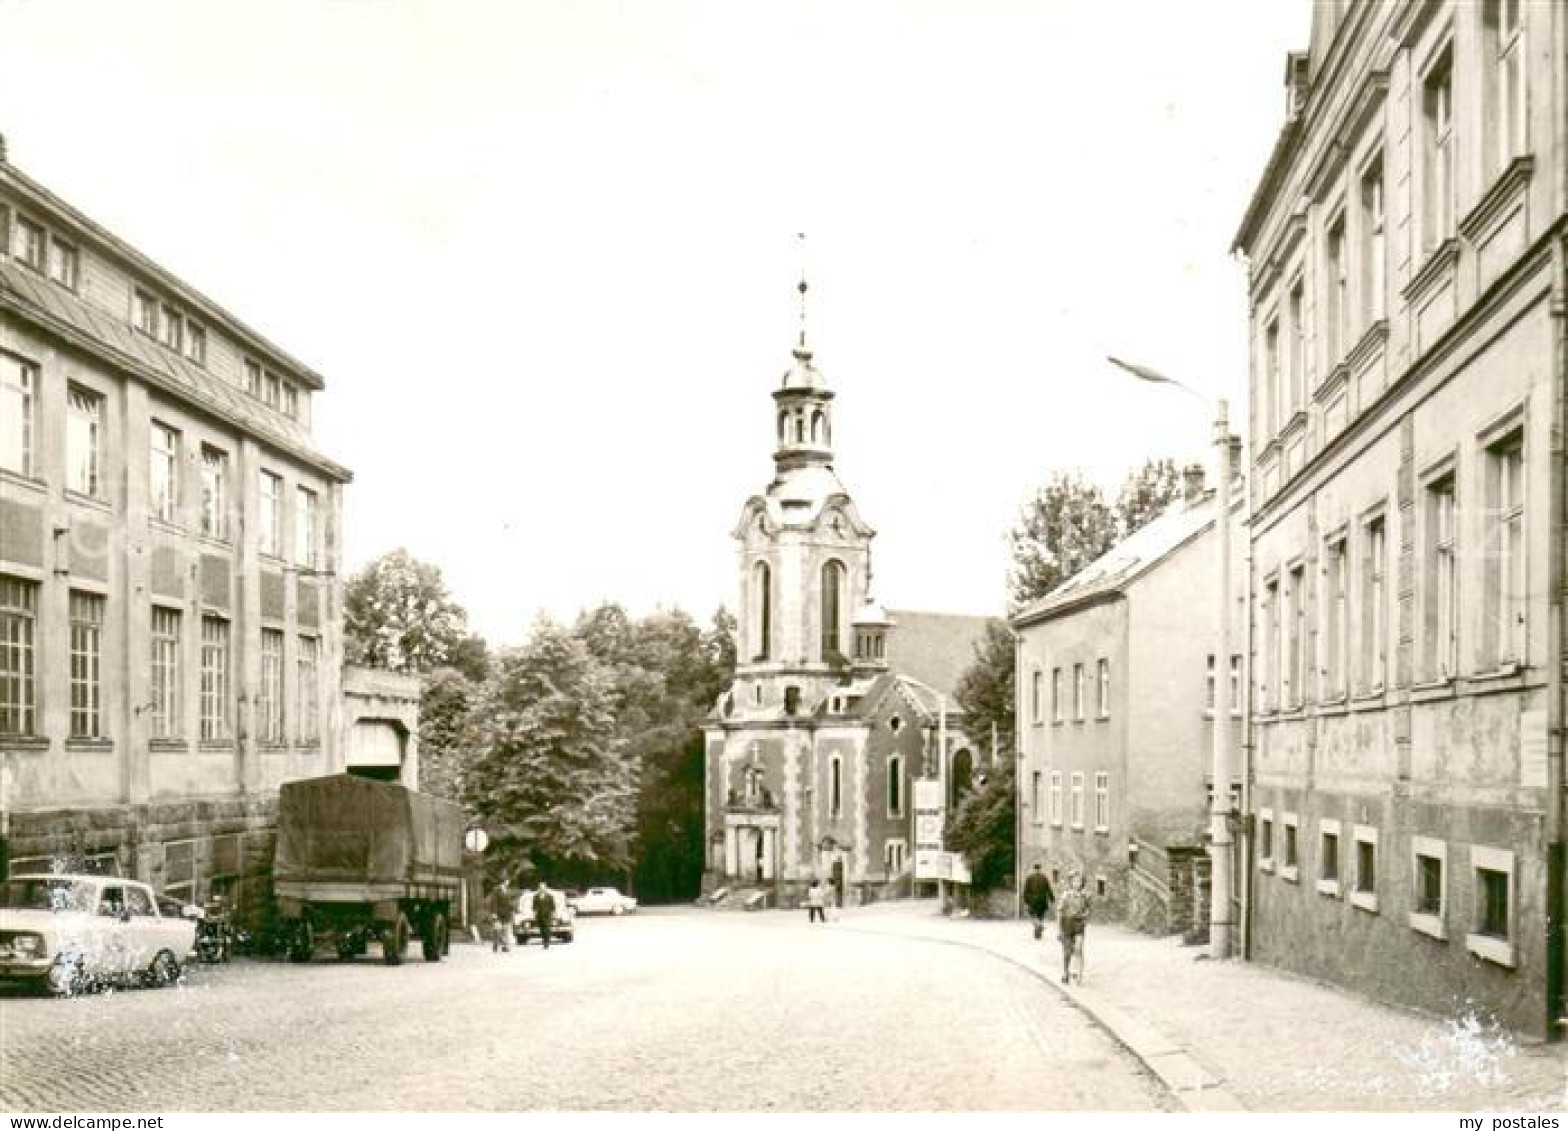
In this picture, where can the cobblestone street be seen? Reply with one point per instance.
(665, 1010)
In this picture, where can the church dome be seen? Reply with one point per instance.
(871, 615)
(803, 375)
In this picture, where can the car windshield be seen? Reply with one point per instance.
(46, 893)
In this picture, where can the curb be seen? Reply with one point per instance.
(1194, 1088)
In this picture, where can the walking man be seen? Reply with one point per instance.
(1072, 918)
(1038, 898)
(544, 913)
(816, 896)
(501, 903)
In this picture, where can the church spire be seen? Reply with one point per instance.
(803, 401)
(802, 351)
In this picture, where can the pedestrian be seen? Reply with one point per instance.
(544, 913)
(816, 897)
(1072, 920)
(1038, 898)
(501, 905)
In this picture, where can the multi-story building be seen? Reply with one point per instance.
(833, 715)
(1407, 249)
(170, 608)
(1116, 693)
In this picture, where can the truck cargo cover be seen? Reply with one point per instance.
(343, 827)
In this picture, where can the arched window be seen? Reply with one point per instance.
(818, 427)
(835, 787)
(800, 428)
(832, 609)
(895, 786)
(783, 426)
(762, 601)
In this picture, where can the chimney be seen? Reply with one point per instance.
(1192, 485)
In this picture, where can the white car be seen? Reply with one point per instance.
(604, 901)
(68, 933)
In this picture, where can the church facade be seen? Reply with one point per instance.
(837, 706)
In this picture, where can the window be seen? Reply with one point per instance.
(273, 391)
(196, 343)
(252, 378)
(1504, 59)
(1056, 695)
(172, 332)
(179, 870)
(1429, 862)
(1374, 603)
(18, 663)
(762, 601)
(271, 521)
(1492, 936)
(1037, 796)
(1077, 799)
(1334, 626)
(1056, 798)
(291, 402)
(1503, 564)
(1105, 689)
(1235, 684)
(86, 616)
(1296, 309)
(214, 492)
(1296, 645)
(83, 436)
(63, 263)
(1102, 801)
(1266, 840)
(214, 679)
(1335, 335)
(1277, 414)
(835, 787)
(165, 672)
(1269, 698)
(163, 484)
(1437, 110)
(1078, 692)
(1209, 687)
(269, 704)
(29, 247)
(1374, 244)
(146, 313)
(1037, 696)
(832, 610)
(1291, 864)
(1441, 619)
(309, 697)
(1328, 857)
(1363, 893)
(893, 855)
(18, 385)
(305, 527)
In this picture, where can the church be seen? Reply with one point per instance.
(838, 706)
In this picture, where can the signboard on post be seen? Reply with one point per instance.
(930, 862)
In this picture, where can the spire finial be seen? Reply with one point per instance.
(802, 287)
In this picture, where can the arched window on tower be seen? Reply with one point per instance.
(818, 427)
(783, 426)
(832, 610)
(762, 602)
(835, 787)
(800, 428)
(895, 786)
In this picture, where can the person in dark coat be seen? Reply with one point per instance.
(1038, 898)
(544, 913)
(501, 905)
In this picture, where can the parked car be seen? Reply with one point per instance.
(66, 933)
(604, 901)
(525, 926)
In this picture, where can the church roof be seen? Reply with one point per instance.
(934, 648)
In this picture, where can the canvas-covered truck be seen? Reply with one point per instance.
(361, 861)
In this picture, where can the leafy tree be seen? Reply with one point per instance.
(1064, 527)
(445, 739)
(548, 777)
(398, 615)
(986, 690)
(1146, 492)
(983, 828)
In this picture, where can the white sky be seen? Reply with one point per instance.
(544, 252)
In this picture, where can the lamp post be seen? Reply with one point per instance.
(1222, 881)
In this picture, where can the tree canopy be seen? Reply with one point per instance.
(983, 828)
(398, 615)
(986, 690)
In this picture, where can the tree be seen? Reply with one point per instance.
(398, 615)
(986, 691)
(1146, 492)
(1064, 527)
(983, 828)
(445, 740)
(548, 777)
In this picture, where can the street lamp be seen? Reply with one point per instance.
(1222, 882)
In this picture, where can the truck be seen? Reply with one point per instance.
(361, 861)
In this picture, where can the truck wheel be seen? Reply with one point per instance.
(434, 937)
(302, 944)
(394, 941)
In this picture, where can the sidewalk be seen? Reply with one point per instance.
(1231, 1036)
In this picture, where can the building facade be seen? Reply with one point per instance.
(1116, 693)
(834, 713)
(170, 606)
(1407, 276)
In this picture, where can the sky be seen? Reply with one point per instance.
(545, 253)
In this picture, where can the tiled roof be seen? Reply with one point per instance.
(934, 648)
(52, 306)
